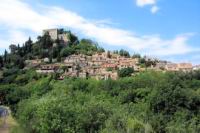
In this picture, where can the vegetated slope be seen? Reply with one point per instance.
(149, 102)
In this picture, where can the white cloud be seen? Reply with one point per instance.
(142, 3)
(177, 46)
(153, 3)
(26, 18)
(154, 9)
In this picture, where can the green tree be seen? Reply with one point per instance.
(116, 52)
(36, 49)
(125, 72)
(136, 56)
(45, 41)
(73, 39)
(1, 62)
(5, 56)
(67, 51)
(87, 47)
(28, 45)
(124, 53)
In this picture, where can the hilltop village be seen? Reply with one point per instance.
(74, 83)
(100, 65)
(60, 52)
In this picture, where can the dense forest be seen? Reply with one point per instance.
(148, 102)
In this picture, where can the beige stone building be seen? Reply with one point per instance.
(32, 63)
(95, 66)
(185, 66)
(52, 32)
(161, 66)
(46, 69)
(57, 34)
(172, 67)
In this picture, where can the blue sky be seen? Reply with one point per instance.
(167, 29)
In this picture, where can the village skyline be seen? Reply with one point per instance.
(99, 64)
(54, 34)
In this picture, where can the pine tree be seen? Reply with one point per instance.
(29, 44)
(1, 62)
(5, 56)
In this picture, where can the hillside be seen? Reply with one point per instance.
(61, 53)
(149, 99)
(149, 102)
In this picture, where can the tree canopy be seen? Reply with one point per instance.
(148, 102)
(125, 72)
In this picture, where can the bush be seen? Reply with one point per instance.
(148, 102)
(125, 72)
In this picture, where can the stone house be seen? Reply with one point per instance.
(161, 66)
(114, 75)
(95, 66)
(46, 60)
(82, 74)
(99, 57)
(172, 67)
(53, 33)
(109, 65)
(46, 69)
(112, 61)
(63, 37)
(124, 64)
(32, 63)
(136, 68)
(185, 66)
(49, 67)
(57, 34)
(106, 75)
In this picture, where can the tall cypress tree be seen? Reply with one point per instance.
(1, 62)
(5, 56)
(29, 44)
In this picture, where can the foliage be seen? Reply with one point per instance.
(148, 102)
(125, 72)
(147, 62)
(67, 51)
(124, 53)
(73, 39)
